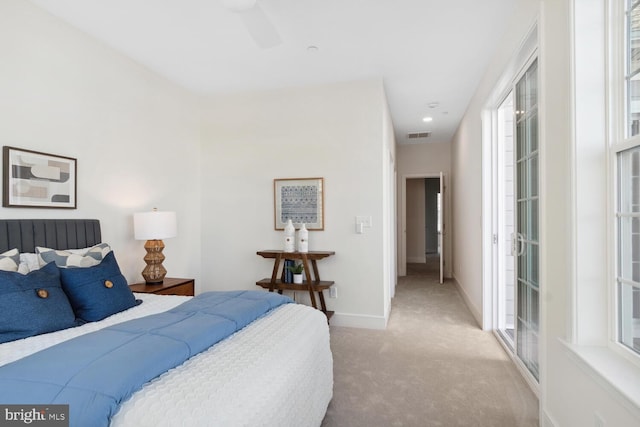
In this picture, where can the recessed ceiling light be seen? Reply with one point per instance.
(427, 119)
(434, 105)
(312, 48)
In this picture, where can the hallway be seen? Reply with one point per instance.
(430, 269)
(432, 366)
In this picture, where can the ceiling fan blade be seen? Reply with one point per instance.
(260, 27)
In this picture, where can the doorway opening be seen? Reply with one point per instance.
(505, 221)
(514, 260)
(423, 226)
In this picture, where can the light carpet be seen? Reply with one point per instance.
(432, 366)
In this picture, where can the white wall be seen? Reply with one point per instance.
(137, 139)
(570, 394)
(333, 131)
(389, 206)
(134, 135)
(427, 160)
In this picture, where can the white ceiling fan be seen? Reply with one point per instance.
(258, 24)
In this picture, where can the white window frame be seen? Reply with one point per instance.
(619, 141)
(598, 108)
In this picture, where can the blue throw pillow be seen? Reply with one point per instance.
(97, 292)
(33, 304)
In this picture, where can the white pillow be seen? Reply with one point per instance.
(10, 260)
(28, 262)
(81, 251)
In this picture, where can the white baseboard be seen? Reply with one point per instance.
(546, 420)
(358, 321)
(417, 259)
(473, 309)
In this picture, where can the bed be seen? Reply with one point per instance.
(275, 371)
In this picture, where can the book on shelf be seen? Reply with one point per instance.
(288, 275)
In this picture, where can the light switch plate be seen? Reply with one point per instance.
(365, 220)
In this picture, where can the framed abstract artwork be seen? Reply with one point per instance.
(38, 180)
(301, 200)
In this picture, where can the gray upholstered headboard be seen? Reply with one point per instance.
(26, 234)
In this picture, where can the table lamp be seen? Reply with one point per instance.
(153, 227)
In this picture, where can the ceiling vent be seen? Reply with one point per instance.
(418, 135)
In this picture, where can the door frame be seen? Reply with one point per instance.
(518, 64)
(402, 229)
(523, 57)
(500, 248)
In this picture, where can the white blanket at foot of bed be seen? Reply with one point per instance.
(278, 371)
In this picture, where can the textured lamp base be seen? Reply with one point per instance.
(154, 272)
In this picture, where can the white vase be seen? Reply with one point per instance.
(289, 237)
(297, 279)
(303, 239)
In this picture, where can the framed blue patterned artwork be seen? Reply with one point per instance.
(38, 180)
(301, 200)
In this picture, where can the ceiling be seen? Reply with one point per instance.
(428, 52)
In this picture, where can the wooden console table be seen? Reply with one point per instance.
(312, 286)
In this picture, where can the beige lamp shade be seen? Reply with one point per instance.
(153, 227)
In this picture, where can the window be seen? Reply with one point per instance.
(633, 67)
(628, 254)
(627, 180)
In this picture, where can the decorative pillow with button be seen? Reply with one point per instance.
(33, 304)
(76, 258)
(99, 291)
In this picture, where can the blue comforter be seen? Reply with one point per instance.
(93, 373)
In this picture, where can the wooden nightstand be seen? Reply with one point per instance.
(170, 286)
